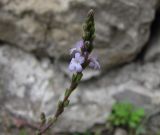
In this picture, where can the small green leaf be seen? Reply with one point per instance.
(60, 104)
(140, 130)
(117, 122)
(79, 77)
(132, 124)
(43, 118)
(66, 103)
(73, 77)
(135, 118)
(125, 114)
(140, 112)
(22, 132)
(67, 92)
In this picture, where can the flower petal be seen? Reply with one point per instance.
(78, 68)
(91, 64)
(79, 44)
(72, 66)
(72, 50)
(94, 63)
(77, 55)
(98, 65)
(81, 60)
(73, 60)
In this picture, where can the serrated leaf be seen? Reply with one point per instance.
(140, 112)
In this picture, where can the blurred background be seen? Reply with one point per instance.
(35, 38)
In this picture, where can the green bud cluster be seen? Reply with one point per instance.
(89, 30)
(89, 27)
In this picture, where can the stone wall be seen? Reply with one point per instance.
(36, 36)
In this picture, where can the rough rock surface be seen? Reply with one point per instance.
(29, 87)
(31, 84)
(45, 27)
(26, 83)
(120, 132)
(153, 50)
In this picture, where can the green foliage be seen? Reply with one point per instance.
(23, 132)
(127, 116)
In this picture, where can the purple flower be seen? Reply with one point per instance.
(77, 47)
(94, 63)
(75, 64)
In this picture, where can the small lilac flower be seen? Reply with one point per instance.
(75, 64)
(94, 63)
(77, 47)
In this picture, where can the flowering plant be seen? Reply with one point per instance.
(81, 58)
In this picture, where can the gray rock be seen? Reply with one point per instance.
(135, 98)
(29, 86)
(153, 124)
(120, 131)
(52, 27)
(139, 83)
(153, 51)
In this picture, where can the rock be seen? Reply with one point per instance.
(153, 124)
(120, 131)
(135, 81)
(135, 98)
(29, 86)
(48, 29)
(39, 26)
(153, 50)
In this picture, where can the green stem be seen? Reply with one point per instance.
(76, 78)
(62, 104)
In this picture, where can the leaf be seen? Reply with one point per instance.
(67, 92)
(125, 114)
(87, 133)
(111, 117)
(79, 77)
(135, 118)
(22, 132)
(43, 118)
(66, 103)
(73, 77)
(140, 130)
(132, 124)
(122, 113)
(76, 134)
(60, 104)
(117, 122)
(140, 112)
